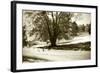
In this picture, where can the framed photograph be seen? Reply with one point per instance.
(47, 36)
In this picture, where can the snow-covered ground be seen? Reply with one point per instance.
(59, 55)
(77, 39)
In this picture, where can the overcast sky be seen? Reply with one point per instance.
(82, 18)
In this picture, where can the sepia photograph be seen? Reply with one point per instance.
(48, 36)
(55, 36)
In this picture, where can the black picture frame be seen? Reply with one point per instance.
(14, 35)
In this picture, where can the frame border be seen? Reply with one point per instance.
(13, 35)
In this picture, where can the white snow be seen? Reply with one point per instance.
(59, 55)
(78, 39)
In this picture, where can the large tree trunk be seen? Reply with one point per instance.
(53, 41)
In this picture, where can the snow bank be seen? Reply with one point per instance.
(57, 55)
